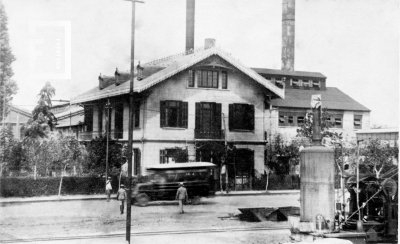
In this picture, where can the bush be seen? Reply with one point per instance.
(28, 187)
(277, 182)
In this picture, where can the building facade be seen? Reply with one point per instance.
(196, 104)
(17, 117)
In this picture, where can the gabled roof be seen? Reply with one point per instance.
(167, 68)
(332, 98)
(21, 111)
(279, 72)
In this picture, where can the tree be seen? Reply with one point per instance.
(96, 160)
(43, 119)
(306, 128)
(6, 59)
(379, 156)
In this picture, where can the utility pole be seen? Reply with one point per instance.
(130, 132)
(107, 134)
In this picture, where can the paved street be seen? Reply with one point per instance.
(91, 217)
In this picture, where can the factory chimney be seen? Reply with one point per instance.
(288, 26)
(190, 6)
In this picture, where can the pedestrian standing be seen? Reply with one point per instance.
(181, 196)
(108, 188)
(121, 196)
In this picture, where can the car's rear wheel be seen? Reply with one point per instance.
(142, 199)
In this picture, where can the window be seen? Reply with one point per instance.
(295, 83)
(357, 121)
(291, 118)
(173, 155)
(89, 118)
(174, 114)
(281, 120)
(336, 120)
(224, 80)
(100, 119)
(191, 78)
(119, 120)
(241, 117)
(316, 84)
(136, 113)
(207, 79)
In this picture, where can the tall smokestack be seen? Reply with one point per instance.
(288, 24)
(189, 25)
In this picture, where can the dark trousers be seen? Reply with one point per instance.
(121, 206)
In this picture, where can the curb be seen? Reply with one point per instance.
(66, 198)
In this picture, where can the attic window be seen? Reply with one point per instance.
(207, 79)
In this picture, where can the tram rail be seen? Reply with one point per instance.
(145, 233)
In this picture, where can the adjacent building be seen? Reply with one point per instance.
(17, 117)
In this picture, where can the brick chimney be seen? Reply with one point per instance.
(208, 43)
(288, 27)
(190, 7)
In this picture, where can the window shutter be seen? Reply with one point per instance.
(218, 117)
(162, 153)
(231, 116)
(251, 115)
(162, 113)
(198, 116)
(184, 112)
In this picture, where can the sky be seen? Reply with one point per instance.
(355, 43)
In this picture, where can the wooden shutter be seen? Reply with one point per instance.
(231, 116)
(162, 154)
(184, 116)
(251, 115)
(198, 116)
(162, 113)
(218, 117)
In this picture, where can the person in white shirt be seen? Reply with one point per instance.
(108, 188)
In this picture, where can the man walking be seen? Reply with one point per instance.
(108, 188)
(121, 196)
(181, 195)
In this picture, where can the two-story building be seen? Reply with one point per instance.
(17, 117)
(183, 102)
(286, 115)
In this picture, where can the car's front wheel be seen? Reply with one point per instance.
(142, 199)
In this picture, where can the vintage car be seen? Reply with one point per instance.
(163, 182)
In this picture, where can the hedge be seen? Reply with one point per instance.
(28, 187)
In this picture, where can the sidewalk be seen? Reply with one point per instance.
(9, 200)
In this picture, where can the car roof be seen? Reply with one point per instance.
(181, 166)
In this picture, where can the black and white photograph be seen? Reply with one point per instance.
(199, 121)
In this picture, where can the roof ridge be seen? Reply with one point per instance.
(160, 60)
